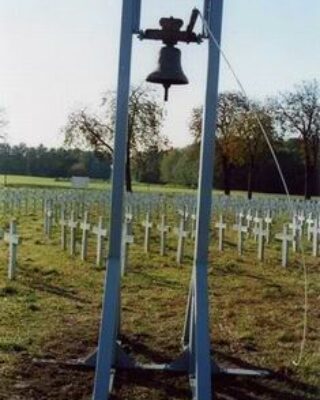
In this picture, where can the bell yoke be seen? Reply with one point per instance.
(169, 71)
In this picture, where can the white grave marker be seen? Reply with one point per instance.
(285, 238)
(241, 229)
(147, 228)
(163, 229)
(12, 239)
(101, 234)
(221, 226)
(85, 227)
(63, 223)
(261, 235)
(72, 224)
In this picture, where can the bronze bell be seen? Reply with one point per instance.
(169, 71)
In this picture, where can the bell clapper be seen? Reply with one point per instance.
(166, 92)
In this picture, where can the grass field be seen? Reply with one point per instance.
(20, 181)
(39, 182)
(52, 311)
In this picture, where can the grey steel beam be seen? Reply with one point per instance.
(202, 378)
(111, 300)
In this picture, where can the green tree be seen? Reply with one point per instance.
(187, 167)
(298, 115)
(146, 165)
(230, 106)
(97, 132)
(250, 141)
(180, 166)
(168, 166)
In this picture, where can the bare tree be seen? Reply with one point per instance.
(298, 115)
(97, 132)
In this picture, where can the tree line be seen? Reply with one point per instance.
(171, 166)
(55, 163)
(246, 129)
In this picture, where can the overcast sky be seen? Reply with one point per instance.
(59, 55)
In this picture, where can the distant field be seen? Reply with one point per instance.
(22, 180)
(35, 181)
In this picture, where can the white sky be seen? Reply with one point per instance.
(59, 55)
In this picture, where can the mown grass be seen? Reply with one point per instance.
(52, 311)
(99, 184)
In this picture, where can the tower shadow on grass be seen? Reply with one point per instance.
(277, 386)
(61, 382)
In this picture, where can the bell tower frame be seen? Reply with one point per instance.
(195, 359)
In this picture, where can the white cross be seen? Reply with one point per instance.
(268, 221)
(315, 231)
(101, 233)
(147, 228)
(163, 229)
(128, 214)
(296, 232)
(285, 238)
(310, 221)
(72, 224)
(240, 229)
(48, 214)
(193, 225)
(239, 217)
(12, 239)
(256, 221)
(127, 239)
(63, 223)
(301, 218)
(182, 234)
(261, 234)
(184, 213)
(249, 219)
(221, 226)
(85, 227)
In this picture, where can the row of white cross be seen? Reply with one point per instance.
(260, 227)
(13, 200)
(86, 228)
(72, 225)
(262, 230)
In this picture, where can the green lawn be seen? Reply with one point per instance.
(34, 181)
(52, 310)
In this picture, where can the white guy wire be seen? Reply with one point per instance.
(244, 92)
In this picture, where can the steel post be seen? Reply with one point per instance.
(202, 378)
(111, 300)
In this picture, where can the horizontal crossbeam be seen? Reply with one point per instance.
(159, 34)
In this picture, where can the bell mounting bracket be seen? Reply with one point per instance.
(170, 34)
